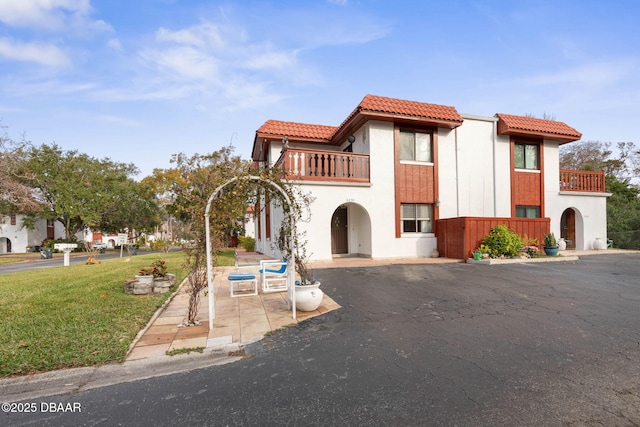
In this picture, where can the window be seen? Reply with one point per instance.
(526, 156)
(527, 212)
(415, 218)
(415, 146)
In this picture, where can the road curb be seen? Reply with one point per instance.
(68, 381)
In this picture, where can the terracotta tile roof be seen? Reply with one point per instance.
(509, 124)
(278, 128)
(381, 104)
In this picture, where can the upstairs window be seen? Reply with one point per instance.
(415, 146)
(415, 218)
(526, 156)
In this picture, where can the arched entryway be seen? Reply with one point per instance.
(350, 231)
(5, 245)
(568, 227)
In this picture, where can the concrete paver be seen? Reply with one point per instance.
(237, 320)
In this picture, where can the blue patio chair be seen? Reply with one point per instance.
(273, 276)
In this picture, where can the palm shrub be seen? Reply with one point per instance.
(502, 241)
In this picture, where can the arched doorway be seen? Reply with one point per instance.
(350, 231)
(5, 245)
(340, 231)
(568, 227)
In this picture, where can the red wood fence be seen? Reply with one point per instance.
(459, 237)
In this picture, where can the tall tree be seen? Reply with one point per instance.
(16, 196)
(199, 176)
(81, 191)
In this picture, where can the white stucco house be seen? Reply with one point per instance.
(401, 178)
(14, 238)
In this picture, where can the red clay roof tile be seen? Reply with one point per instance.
(521, 124)
(382, 104)
(296, 130)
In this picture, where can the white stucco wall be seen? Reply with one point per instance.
(474, 170)
(590, 208)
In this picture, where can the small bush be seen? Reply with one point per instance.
(247, 242)
(502, 241)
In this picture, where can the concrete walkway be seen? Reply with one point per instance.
(246, 319)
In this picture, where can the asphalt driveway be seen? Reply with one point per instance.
(425, 345)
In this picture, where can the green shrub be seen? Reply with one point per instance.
(502, 241)
(247, 242)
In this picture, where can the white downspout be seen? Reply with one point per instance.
(457, 176)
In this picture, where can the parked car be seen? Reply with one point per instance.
(99, 245)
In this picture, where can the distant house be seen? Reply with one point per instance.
(249, 223)
(17, 239)
(401, 178)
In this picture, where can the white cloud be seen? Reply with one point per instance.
(51, 15)
(40, 53)
(206, 35)
(183, 62)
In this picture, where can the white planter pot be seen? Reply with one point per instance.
(598, 244)
(562, 245)
(308, 297)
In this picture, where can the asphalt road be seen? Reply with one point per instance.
(416, 345)
(58, 261)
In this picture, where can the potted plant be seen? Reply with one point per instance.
(162, 280)
(550, 244)
(307, 292)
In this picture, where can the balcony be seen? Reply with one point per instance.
(583, 181)
(328, 166)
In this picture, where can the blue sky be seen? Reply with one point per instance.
(139, 80)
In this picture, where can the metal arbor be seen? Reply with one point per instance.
(290, 262)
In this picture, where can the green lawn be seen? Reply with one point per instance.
(79, 315)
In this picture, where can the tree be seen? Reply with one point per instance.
(80, 191)
(129, 208)
(16, 196)
(159, 186)
(198, 177)
(623, 214)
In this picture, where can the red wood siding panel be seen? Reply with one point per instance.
(415, 183)
(527, 189)
(459, 237)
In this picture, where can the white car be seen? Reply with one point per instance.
(99, 245)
